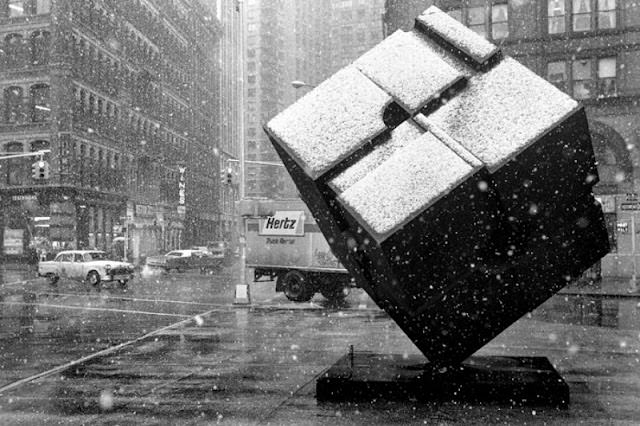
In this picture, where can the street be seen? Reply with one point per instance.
(174, 349)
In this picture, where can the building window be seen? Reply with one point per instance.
(587, 78)
(16, 169)
(13, 104)
(39, 145)
(16, 50)
(43, 6)
(581, 15)
(16, 8)
(607, 77)
(582, 79)
(606, 14)
(40, 107)
(499, 21)
(40, 47)
(476, 20)
(557, 74)
(556, 15)
(455, 14)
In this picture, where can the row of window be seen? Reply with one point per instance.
(16, 50)
(491, 19)
(18, 8)
(585, 78)
(94, 104)
(86, 50)
(18, 108)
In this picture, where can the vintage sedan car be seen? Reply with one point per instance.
(91, 266)
(181, 260)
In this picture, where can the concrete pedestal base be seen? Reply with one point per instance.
(363, 376)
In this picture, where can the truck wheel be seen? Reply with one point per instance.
(93, 278)
(297, 287)
(335, 292)
(52, 279)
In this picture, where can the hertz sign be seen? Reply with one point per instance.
(286, 223)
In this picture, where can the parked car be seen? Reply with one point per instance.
(91, 266)
(218, 248)
(223, 250)
(181, 260)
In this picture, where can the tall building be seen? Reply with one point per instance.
(270, 69)
(124, 95)
(312, 43)
(230, 13)
(296, 40)
(585, 48)
(355, 27)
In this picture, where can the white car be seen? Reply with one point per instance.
(93, 266)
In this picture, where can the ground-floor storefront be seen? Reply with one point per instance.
(37, 222)
(623, 213)
(152, 229)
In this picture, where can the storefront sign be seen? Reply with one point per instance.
(144, 210)
(24, 197)
(13, 241)
(630, 206)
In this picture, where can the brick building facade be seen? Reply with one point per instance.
(591, 50)
(124, 95)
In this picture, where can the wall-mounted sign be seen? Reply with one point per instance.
(24, 197)
(629, 206)
(622, 227)
(13, 241)
(181, 186)
(144, 210)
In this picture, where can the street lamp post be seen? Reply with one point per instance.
(243, 294)
(298, 84)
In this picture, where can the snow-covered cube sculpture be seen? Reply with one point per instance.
(453, 183)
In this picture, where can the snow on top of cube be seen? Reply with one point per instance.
(456, 34)
(332, 121)
(501, 112)
(406, 184)
(421, 119)
(399, 137)
(409, 69)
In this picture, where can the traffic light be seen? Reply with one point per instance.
(40, 170)
(229, 177)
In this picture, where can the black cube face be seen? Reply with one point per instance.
(460, 216)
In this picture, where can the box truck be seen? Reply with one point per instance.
(283, 242)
